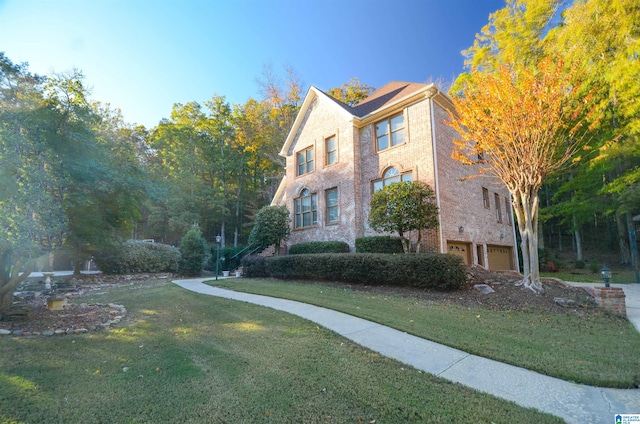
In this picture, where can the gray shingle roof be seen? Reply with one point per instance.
(384, 95)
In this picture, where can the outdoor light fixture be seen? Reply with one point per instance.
(606, 275)
(218, 239)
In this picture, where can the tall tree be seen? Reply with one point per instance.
(352, 92)
(62, 179)
(513, 124)
(31, 214)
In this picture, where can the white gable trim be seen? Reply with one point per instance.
(312, 95)
(277, 197)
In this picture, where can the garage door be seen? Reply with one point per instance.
(500, 257)
(460, 249)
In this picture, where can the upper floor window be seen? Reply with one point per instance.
(331, 150)
(390, 132)
(498, 207)
(304, 161)
(391, 175)
(507, 207)
(485, 198)
(306, 209)
(332, 205)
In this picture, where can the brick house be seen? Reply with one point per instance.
(337, 156)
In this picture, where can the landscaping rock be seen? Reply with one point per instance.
(4, 332)
(565, 303)
(483, 288)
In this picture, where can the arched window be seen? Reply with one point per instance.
(391, 175)
(306, 209)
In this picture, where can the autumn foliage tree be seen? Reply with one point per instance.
(520, 125)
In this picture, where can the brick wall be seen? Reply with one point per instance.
(612, 299)
(464, 217)
(323, 120)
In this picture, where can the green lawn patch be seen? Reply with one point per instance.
(188, 358)
(599, 350)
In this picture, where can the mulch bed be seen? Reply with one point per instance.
(506, 296)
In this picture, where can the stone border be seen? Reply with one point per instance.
(121, 312)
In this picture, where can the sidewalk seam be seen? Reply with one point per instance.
(467, 355)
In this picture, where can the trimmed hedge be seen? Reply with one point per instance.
(429, 271)
(319, 247)
(135, 256)
(379, 244)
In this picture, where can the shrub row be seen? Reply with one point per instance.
(319, 247)
(379, 244)
(431, 271)
(137, 256)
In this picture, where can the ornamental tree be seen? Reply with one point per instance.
(520, 125)
(402, 207)
(271, 227)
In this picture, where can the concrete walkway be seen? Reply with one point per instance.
(574, 403)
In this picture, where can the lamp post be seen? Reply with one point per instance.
(218, 238)
(606, 275)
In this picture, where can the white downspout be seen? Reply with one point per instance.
(435, 168)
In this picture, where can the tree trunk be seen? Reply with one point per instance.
(623, 244)
(10, 278)
(578, 237)
(526, 209)
(77, 267)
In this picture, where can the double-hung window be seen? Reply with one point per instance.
(485, 198)
(331, 201)
(331, 150)
(304, 161)
(498, 208)
(390, 176)
(306, 209)
(507, 209)
(390, 132)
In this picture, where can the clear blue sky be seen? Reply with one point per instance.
(142, 56)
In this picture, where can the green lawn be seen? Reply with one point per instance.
(600, 350)
(189, 358)
(619, 275)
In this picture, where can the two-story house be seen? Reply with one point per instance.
(337, 156)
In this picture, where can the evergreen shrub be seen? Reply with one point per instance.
(319, 247)
(430, 271)
(194, 253)
(136, 256)
(379, 244)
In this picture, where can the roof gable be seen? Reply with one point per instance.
(312, 95)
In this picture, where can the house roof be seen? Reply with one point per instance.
(385, 95)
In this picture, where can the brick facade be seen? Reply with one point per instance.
(466, 228)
